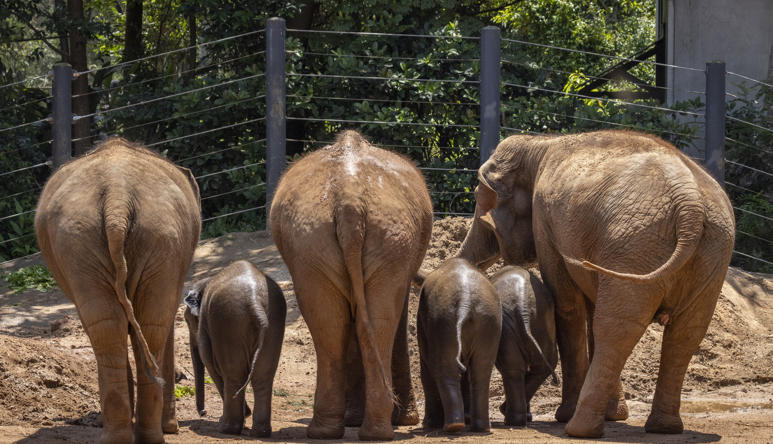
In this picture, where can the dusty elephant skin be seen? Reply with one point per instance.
(527, 349)
(458, 324)
(117, 228)
(627, 230)
(352, 222)
(236, 321)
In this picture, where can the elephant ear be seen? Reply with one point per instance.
(486, 199)
(193, 301)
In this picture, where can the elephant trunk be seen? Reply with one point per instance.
(198, 378)
(480, 246)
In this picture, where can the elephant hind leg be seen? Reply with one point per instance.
(622, 314)
(105, 324)
(326, 312)
(681, 338)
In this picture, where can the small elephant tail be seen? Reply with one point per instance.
(262, 327)
(525, 328)
(117, 212)
(464, 310)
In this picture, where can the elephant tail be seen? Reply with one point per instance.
(118, 214)
(464, 311)
(350, 231)
(260, 315)
(689, 225)
(535, 347)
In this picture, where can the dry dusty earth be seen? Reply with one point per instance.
(48, 380)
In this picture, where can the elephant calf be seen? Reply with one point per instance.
(459, 323)
(527, 349)
(236, 321)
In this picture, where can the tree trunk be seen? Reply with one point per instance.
(133, 48)
(80, 85)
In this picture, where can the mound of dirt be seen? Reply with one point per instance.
(41, 382)
(48, 371)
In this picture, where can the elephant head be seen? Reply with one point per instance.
(502, 224)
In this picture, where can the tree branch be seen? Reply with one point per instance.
(44, 39)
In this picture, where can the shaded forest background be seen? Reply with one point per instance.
(219, 85)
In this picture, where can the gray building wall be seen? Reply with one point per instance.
(738, 32)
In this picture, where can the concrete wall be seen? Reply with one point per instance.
(738, 32)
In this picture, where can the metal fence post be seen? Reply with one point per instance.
(714, 159)
(275, 107)
(61, 130)
(489, 91)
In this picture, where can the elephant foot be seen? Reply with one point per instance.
(170, 426)
(202, 413)
(353, 417)
(405, 416)
(261, 430)
(617, 410)
(144, 435)
(122, 435)
(322, 431)
(516, 419)
(230, 428)
(432, 423)
(376, 432)
(480, 425)
(585, 424)
(663, 423)
(565, 412)
(454, 427)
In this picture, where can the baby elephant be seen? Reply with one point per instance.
(459, 323)
(527, 349)
(236, 321)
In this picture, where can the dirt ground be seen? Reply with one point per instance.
(48, 377)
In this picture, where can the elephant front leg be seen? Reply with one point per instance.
(617, 408)
(355, 385)
(168, 419)
(433, 406)
(405, 412)
(572, 346)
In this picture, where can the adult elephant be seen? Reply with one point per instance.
(627, 230)
(117, 228)
(352, 222)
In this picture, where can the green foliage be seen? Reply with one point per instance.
(281, 392)
(338, 81)
(748, 177)
(34, 276)
(208, 380)
(181, 391)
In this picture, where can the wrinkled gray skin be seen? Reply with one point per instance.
(459, 322)
(527, 349)
(236, 321)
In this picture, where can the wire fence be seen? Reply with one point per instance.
(415, 94)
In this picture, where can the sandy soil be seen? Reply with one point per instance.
(48, 381)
